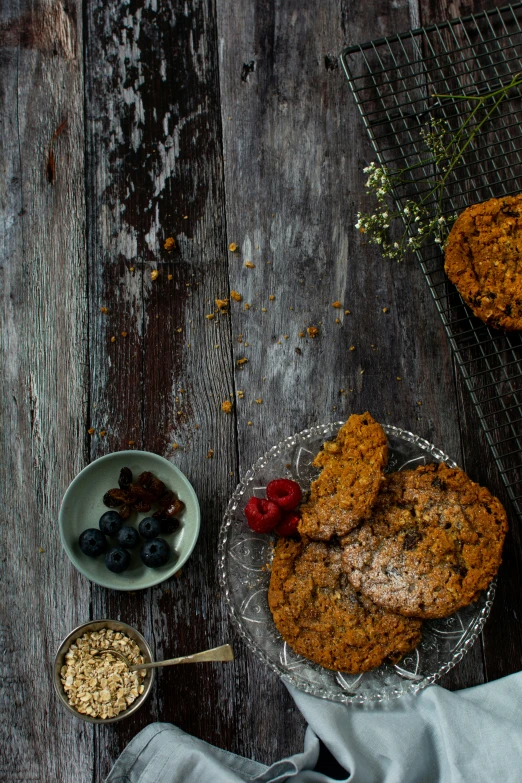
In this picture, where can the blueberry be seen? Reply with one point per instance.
(110, 523)
(117, 559)
(92, 542)
(155, 553)
(128, 537)
(149, 528)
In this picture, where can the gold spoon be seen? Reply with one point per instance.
(223, 653)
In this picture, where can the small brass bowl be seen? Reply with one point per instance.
(97, 625)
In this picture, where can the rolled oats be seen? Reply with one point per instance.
(101, 686)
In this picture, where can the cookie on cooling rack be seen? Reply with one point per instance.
(351, 477)
(434, 542)
(321, 616)
(483, 258)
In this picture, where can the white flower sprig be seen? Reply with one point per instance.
(424, 219)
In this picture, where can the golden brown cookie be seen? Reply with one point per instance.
(324, 619)
(433, 543)
(484, 260)
(351, 476)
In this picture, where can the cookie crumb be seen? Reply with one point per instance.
(399, 378)
(250, 265)
(104, 310)
(263, 309)
(259, 401)
(386, 309)
(131, 269)
(337, 305)
(240, 362)
(154, 274)
(313, 331)
(222, 304)
(103, 433)
(170, 243)
(232, 247)
(347, 312)
(170, 277)
(249, 423)
(301, 334)
(352, 347)
(337, 320)
(271, 297)
(247, 307)
(240, 394)
(130, 443)
(113, 339)
(91, 431)
(124, 334)
(209, 317)
(210, 453)
(236, 296)
(226, 406)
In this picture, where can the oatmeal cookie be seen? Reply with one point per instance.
(324, 619)
(433, 543)
(484, 260)
(350, 480)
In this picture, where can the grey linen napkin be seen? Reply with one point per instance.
(470, 736)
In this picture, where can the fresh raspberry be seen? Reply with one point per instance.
(286, 493)
(288, 524)
(262, 515)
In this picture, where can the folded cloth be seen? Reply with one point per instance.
(470, 736)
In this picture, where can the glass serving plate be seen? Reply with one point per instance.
(244, 559)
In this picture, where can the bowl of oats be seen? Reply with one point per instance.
(95, 684)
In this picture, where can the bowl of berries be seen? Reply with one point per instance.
(129, 520)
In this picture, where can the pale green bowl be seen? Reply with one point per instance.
(82, 507)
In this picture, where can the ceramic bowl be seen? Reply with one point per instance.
(82, 507)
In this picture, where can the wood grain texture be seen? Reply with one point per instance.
(43, 379)
(209, 123)
(155, 172)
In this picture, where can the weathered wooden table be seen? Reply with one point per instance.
(124, 124)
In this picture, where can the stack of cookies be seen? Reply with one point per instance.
(378, 554)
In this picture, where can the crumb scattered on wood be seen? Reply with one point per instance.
(347, 312)
(240, 394)
(170, 277)
(113, 339)
(210, 453)
(103, 433)
(226, 406)
(337, 305)
(91, 430)
(210, 316)
(170, 243)
(386, 309)
(232, 247)
(271, 297)
(103, 310)
(222, 304)
(313, 331)
(250, 265)
(242, 361)
(236, 296)
(124, 334)
(154, 274)
(259, 401)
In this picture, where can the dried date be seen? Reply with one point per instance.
(125, 479)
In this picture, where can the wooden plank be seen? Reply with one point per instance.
(43, 381)
(154, 172)
(294, 148)
(501, 644)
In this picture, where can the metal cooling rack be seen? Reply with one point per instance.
(392, 80)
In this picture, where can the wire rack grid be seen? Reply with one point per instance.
(393, 80)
